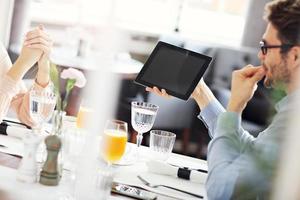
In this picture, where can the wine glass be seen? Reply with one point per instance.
(142, 118)
(42, 103)
(114, 141)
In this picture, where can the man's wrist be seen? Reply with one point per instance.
(203, 96)
(234, 106)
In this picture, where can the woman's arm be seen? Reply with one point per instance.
(35, 40)
(40, 40)
(12, 91)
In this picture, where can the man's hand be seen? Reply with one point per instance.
(202, 94)
(243, 86)
(161, 93)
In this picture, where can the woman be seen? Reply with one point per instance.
(13, 93)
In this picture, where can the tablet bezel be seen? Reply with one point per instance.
(201, 72)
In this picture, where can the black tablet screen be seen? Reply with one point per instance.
(174, 69)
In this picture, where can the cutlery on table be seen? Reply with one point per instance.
(156, 186)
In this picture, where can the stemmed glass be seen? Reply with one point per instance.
(42, 103)
(142, 118)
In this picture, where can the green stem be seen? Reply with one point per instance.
(69, 87)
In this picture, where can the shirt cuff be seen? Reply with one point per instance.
(229, 122)
(38, 87)
(211, 112)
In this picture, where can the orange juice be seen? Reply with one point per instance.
(113, 145)
(83, 116)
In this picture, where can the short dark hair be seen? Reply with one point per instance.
(284, 15)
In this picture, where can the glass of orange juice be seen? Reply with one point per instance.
(114, 141)
(83, 117)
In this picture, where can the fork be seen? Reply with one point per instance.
(156, 186)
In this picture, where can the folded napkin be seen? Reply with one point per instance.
(13, 131)
(159, 167)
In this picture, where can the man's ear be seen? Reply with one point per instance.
(295, 53)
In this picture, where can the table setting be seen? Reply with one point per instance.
(155, 169)
(52, 156)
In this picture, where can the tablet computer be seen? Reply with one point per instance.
(175, 69)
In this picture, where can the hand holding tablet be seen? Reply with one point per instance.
(164, 94)
(175, 69)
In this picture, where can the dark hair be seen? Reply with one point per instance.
(284, 15)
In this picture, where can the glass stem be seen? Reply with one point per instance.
(139, 139)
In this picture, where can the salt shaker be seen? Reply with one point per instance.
(27, 171)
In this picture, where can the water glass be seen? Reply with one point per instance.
(104, 182)
(142, 118)
(161, 144)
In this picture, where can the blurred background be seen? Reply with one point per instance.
(126, 31)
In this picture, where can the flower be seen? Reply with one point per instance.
(72, 73)
(73, 76)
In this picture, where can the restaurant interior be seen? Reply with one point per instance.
(116, 37)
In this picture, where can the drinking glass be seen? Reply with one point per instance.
(83, 117)
(42, 103)
(41, 107)
(161, 144)
(142, 118)
(114, 141)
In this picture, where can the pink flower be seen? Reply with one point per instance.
(72, 73)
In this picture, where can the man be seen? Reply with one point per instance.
(239, 164)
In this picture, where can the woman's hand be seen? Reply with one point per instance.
(39, 40)
(32, 51)
(29, 56)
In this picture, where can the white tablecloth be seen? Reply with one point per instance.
(124, 174)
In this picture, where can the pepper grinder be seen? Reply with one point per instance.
(27, 171)
(50, 175)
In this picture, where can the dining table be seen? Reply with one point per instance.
(125, 174)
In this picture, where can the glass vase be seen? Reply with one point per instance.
(57, 122)
(57, 129)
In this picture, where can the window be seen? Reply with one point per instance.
(220, 21)
(212, 21)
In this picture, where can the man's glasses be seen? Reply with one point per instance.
(264, 47)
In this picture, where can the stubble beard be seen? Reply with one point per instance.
(279, 74)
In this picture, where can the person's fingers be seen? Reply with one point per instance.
(248, 66)
(258, 75)
(38, 40)
(149, 89)
(42, 47)
(157, 91)
(165, 94)
(36, 34)
(249, 70)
